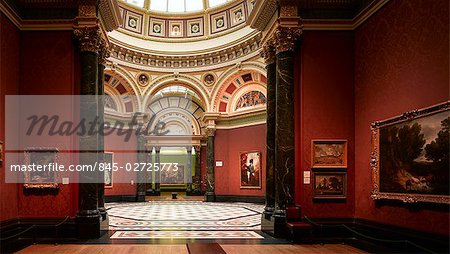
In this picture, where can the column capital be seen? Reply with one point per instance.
(197, 148)
(210, 132)
(103, 52)
(89, 38)
(268, 52)
(284, 38)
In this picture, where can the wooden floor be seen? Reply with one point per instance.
(181, 249)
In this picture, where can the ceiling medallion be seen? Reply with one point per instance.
(209, 79)
(143, 79)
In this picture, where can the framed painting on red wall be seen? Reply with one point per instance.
(410, 156)
(329, 185)
(330, 153)
(108, 172)
(250, 170)
(41, 157)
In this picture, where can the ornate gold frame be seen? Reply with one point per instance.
(330, 141)
(42, 185)
(260, 171)
(375, 155)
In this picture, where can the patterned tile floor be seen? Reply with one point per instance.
(190, 219)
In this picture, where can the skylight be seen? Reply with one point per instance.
(213, 3)
(176, 5)
(139, 3)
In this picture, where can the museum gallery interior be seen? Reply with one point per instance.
(224, 126)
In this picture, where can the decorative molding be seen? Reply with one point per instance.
(262, 13)
(225, 55)
(110, 14)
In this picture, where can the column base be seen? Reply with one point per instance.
(140, 197)
(194, 192)
(279, 224)
(103, 213)
(210, 197)
(153, 193)
(88, 224)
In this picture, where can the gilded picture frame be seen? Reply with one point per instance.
(250, 168)
(329, 153)
(418, 174)
(42, 179)
(1, 152)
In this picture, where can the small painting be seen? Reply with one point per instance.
(1, 151)
(330, 185)
(329, 154)
(46, 158)
(172, 175)
(410, 158)
(108, 160)
(250, 163)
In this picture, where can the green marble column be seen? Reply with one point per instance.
(103, 54)
(210, 195)
(149, 185)
(141, 177)
(197, 178)
(284, 127)
(88, 216)
(269, 56)
(189, 170)
(157, 172)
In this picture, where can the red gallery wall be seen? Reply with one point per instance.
(326, 109)
(402, 63)
(47, 67)
(9, 85)
(228, 144)
(123, 152)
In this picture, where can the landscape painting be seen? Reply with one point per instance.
(172, 175)
(329, 154)
(250, 167)
(330, 185)
(414, 157)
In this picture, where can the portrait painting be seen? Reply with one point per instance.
(410, 157)
(329, 153)
(171, 175)
(250, 167)
(41, 178)
(329, 185)
(108, 172)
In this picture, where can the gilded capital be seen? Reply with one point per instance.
(210, 132)
(268, 53)
(285, 38)
(89, 38)
(103, 52)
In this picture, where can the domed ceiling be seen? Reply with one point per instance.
(188, 35)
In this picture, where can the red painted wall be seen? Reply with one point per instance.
(124, 152)
(326, 111)
(47, 67)
(228, 144)
(402, 63)
(9, 85)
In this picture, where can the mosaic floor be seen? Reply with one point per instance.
(190, 219)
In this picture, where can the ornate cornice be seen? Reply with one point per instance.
(243, 50)
(284, 38)
(262, 13)
(110, 14)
